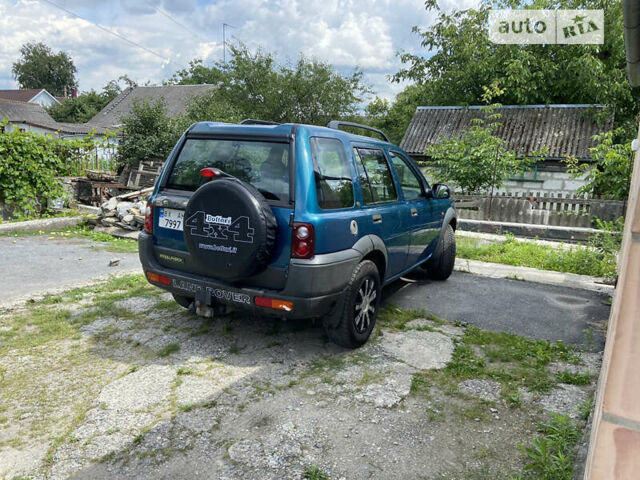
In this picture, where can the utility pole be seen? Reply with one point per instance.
(224, 42)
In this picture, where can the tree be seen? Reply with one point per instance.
(86, 105)
(147, 133)
(40, 67)
(476, 160)
(459, 60)
(254, 85)
(611, 176)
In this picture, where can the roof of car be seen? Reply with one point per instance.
(276, 130)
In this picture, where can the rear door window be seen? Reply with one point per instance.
(375, 176)
(265, 165)
(334, 186)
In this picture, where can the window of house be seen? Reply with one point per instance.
(375, 176)
(334, 187)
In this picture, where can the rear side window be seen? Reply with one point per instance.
(265, 165)
(375, 176)
(334, 187)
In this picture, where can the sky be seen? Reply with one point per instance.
(345, 33)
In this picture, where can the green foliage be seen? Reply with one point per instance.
(458, 60)
(583, 261)
(311, 472)
(86, 105)
(574, 378)
(253, 85)
(607, 242)
(611, 176)
(476, 160)
(30, 164)
(552, 455)
(148, 133)
(40, 67)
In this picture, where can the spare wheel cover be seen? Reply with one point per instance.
(229, 229)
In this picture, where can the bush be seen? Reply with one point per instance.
(30, 163)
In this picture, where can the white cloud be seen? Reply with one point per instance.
(345, 33)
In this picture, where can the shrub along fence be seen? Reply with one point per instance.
(532, 208)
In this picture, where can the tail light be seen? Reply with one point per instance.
(157, 278)
(304, 239)
(148, 218)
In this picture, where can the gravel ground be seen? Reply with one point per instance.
(141, 388)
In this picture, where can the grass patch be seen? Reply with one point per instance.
(583, 261)
(396, 318)
(311, 472)
(552, 455)
(169, 349)
(574, 378)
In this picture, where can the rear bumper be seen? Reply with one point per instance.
(313, 286)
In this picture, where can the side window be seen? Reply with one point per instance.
(409, 181)
(375, 176)
(334, 187)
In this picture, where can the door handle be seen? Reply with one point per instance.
(377, 218)
(414, 212)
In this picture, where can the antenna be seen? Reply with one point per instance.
(224, 42)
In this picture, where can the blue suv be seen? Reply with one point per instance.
(296, 221)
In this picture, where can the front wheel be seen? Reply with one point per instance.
(440, 265)
(352, 323)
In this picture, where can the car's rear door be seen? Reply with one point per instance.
(262, 162)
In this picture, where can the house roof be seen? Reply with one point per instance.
(176, 98)
(24, 95)
(563, 129)
(33, 114)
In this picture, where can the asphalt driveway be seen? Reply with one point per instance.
(535, 310)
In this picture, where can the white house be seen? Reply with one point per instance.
(35, 95)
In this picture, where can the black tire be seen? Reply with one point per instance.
(230, 229)
(345, 326)
(183, 301)
(440, 266)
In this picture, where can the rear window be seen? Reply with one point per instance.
(265, 165)
(332, 175)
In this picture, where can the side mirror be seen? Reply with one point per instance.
(441, 191)
(428, 192)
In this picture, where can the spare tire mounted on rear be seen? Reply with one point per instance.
(229, 228)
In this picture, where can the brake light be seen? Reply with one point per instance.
(274, 303)
(148, 218)
(303, 242)
(157, 278)
(209, 172)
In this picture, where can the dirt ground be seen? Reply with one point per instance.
(117, 381)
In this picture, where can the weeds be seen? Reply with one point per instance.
(169, 349)
(311, 472)
(591, 260)
(574, 378)
(551, 456)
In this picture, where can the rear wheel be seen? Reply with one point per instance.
(352, 323)
(440, 266)
(183, 301)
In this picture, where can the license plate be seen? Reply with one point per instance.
(170, 218)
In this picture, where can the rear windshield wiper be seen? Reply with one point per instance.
(268, 194)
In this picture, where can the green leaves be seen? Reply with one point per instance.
(476, 159)
(29, 165)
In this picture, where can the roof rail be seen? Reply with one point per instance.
(336, 124)
(251, 121)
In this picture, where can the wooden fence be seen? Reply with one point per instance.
(529, 207)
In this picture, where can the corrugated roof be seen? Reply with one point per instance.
(176, 98)
(34, 114)
(564, 129)
(20, 95)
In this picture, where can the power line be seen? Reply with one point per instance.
(107, 30)
(162, 12)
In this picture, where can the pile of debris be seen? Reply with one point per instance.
(124, 212)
